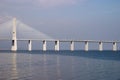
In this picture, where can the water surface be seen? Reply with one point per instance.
(62, 65)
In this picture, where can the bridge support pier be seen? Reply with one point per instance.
(14, 45)
(29, 45)
(57, 43)
(114, 46)
(72, 45)
(86, 45)
(100, 46)
(44, 45)
(14, 38)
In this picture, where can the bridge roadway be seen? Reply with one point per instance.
(63, 40)
(57, 42)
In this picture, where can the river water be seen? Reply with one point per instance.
(62, 65)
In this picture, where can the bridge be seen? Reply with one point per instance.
(44, 39)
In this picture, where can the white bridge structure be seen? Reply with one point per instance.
(44, 38)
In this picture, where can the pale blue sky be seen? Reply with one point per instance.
(76, 19)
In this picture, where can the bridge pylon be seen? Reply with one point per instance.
(14, 37)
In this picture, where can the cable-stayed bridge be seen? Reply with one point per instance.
(14, 31)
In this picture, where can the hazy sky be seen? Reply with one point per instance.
(76, 19)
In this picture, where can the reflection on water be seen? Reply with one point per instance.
(72, 66)
(14, 73)
(30, 66)
(58, 69)
(59, 66)
(45, 67)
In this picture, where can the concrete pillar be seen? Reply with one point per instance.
(57, 43)
(14, 38)
(86, 45)
(72, 45)
(100, 46)
(29, 45)
(44, 45)
(114, 46)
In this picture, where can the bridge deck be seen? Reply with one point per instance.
(63, 40)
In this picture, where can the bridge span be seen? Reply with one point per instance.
(56, 41)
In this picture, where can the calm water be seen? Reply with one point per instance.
(63, 65)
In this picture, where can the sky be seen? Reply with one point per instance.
(68, 19)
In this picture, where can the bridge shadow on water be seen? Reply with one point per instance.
(103, 55)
